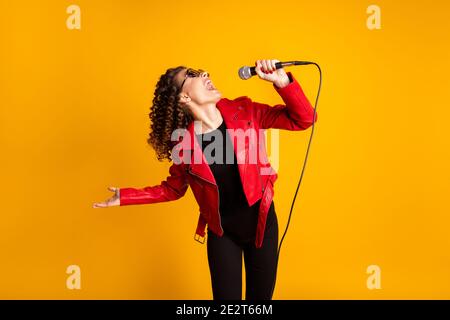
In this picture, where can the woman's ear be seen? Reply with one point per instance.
(184, 99)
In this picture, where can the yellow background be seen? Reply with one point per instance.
(74, 120)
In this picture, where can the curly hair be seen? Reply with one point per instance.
(166, 114)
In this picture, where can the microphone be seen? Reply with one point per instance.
(247, 72)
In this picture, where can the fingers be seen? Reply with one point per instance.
(258, 70)
(267, 66)
(109, 202)
(270, 66)
(114, 201)
(100, 205)
(273, 62)
(264, 66)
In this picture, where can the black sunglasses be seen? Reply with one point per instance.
(192, 73)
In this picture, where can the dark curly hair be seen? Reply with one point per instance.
(166, 114)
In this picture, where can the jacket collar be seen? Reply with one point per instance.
(230, 111)
(232, 114)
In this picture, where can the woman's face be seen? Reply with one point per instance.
(197, 90)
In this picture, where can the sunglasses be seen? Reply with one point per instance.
(192, 73)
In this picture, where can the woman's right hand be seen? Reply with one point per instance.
(113, 201)
(267, 70)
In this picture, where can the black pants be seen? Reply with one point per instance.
(225, 263)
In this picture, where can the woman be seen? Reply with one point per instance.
(234, 189)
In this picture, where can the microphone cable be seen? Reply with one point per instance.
(303, 169)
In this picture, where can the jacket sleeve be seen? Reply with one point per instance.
(296, 114)
(174, 187)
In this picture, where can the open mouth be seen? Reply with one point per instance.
(209, 85)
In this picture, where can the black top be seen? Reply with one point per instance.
(238, 218)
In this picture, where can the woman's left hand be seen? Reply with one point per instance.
(267, 70)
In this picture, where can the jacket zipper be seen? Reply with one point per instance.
(260, 179)
(218, 195)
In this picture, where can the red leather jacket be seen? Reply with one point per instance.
(257, 177)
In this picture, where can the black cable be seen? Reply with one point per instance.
(301, 175)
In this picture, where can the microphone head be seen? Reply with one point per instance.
(245, 73)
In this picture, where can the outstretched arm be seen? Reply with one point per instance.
(174, 187)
